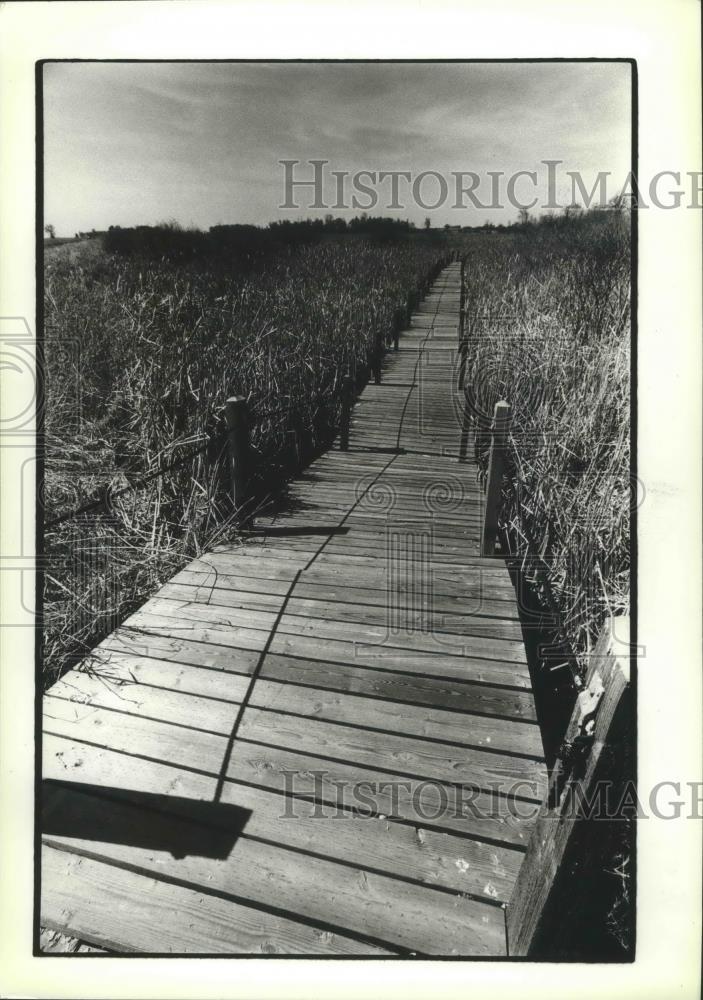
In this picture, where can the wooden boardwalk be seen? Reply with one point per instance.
(320, 740)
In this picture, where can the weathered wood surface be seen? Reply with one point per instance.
(352, 661)
(579, 822)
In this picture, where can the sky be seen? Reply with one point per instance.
(201, 143)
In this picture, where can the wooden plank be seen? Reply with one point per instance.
(400, 469)
(272, 591)
(69, 746)
(127, 670)
(136, 735)
(180, 649)
(278, 553)
(459, 584)
(195, 643)
(416, 853)
(340, 481)
(472, 583)
(512, 736)
(476, 667)
(354, 542)
(401, 754)
(184, 616)
(340, 548)
(382, 612)
(363, 470)
(123, 670)
(358, 488)
(312, 723)
(357, 484)
(143, 656)
(482, 699)
(354, 902)
(361, 526)
(187, 709)
(126, 911)
(217, 710)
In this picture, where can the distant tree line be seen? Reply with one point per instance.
(554, 219)
(246, 242)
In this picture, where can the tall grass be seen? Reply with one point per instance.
(548, 308)
(141, 354)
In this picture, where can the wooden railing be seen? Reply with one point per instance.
(578, 870)
(567, 888)
(496, 473)
(573, 882)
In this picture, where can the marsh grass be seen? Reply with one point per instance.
(548, 307)
(141, 354)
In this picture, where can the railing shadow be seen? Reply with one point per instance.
(181, 826)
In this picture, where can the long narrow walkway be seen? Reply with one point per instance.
(320, 740)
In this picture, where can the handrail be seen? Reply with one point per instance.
(107, 495)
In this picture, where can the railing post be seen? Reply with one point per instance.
(216, 452)
(397, 327)
(347, 391)
(496, 470)
(239, 452)
(377, 357)
(463, 351)
(462, 329)
(465, 426)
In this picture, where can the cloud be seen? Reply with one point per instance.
(137, 142)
